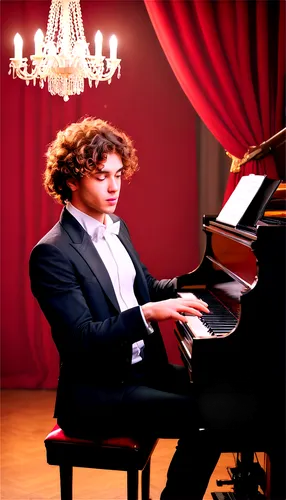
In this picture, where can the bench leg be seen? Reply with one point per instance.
(145, 481)
(132, 484)
(66, 482)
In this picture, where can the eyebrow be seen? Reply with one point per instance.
(107, 171)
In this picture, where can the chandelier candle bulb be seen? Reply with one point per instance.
(62, 57)
(98, 44)
(18, 47)
(113, 47)
(39, 39)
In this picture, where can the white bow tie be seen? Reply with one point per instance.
(100, 231)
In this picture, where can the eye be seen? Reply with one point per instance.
(100, 177)
(119, 174)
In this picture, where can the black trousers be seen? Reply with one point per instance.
(165, 407)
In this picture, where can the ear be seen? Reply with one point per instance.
(72, 184)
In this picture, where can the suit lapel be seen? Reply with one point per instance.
(89, 253)
(140, 285)
(82, 243)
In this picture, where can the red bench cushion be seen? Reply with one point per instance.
(57, 434)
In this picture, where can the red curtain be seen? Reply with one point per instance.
(30, 119)
(228, 56)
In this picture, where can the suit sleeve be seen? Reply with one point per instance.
(55, 285)
(160, 289)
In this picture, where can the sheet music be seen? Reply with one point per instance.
(240, 199)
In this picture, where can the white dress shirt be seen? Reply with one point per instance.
(118, 265)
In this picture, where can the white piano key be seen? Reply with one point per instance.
(197, 327)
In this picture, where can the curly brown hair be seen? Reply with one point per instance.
(80, 149)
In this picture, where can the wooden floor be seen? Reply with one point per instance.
(26, 418)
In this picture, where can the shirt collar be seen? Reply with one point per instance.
(87, 222)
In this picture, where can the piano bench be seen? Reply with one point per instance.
(121, 454)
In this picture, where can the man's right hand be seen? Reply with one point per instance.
(173, 309)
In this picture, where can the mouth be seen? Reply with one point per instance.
(112, 201)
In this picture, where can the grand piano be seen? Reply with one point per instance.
(242, 341)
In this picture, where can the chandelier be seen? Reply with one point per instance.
(63, 59)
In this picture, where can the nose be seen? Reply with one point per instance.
(113, 184)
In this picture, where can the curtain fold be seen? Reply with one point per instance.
(228, 57)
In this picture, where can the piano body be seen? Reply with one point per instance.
(241, 343)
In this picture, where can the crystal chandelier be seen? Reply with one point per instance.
(63, 58)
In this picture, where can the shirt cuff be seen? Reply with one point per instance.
(149, 327)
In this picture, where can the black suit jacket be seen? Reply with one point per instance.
(75, 292)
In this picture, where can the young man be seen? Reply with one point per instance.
(103, 307)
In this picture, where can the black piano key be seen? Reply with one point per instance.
(220, 320)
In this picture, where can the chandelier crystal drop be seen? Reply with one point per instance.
(63, 58)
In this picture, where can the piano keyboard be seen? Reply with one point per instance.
(219, 321)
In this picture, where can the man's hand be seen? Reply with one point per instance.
(173, 309)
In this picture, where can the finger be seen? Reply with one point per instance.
(194, 301)
(196, 307)
(190, 311)
(179, 317)
(203, 302)
(194, 312)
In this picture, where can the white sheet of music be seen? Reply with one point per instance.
(240, 199)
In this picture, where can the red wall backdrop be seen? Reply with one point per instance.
(160, 203)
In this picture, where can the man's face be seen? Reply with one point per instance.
(97, 194)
